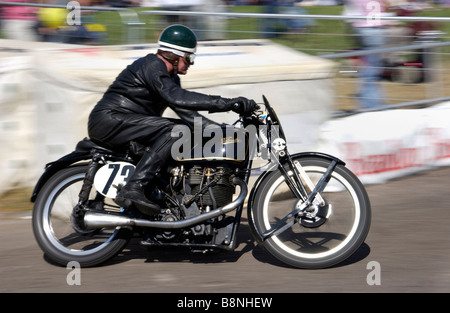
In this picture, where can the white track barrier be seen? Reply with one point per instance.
(48, 91)
(378, 146)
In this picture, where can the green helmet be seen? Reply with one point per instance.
(178, 37)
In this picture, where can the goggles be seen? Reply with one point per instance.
(190, 57)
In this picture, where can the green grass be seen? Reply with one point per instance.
(324, 37)
(16, 200)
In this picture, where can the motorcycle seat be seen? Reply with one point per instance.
(87, 145)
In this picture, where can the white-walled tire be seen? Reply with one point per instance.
(306, 244)
(55, 232)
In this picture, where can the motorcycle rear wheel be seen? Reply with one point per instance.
(313, 243)
(54, 229)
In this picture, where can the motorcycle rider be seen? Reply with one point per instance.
(131, 109)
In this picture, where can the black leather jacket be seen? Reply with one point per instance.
(146, 87)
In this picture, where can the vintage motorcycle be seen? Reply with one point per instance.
(308, 210)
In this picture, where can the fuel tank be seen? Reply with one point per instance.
(224, 143)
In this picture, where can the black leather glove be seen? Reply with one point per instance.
(239, 105)
(243, 105)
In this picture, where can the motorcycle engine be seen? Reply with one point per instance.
(198, 190)
(211, 186)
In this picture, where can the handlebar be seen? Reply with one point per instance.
(255, 112)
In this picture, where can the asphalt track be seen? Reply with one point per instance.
(407, 251)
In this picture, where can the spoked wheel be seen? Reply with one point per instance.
(327, 232)
(59, 230)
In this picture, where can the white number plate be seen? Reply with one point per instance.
(112, 174)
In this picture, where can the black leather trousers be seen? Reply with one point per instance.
(116, 130)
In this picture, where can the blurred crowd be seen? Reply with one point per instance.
(32, 23)
(56, 24)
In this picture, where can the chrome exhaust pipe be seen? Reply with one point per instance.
(97, 219)
(93, 220)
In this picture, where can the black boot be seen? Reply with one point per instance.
(133, 192)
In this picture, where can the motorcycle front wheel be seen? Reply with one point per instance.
(58, 232)
(324, 239)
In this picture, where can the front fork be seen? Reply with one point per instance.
(304, 189)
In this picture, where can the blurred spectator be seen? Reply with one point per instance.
(88, 31)
(19, 22)
(53, 25)
(269, 26)
(210, 27)
(50, 21)
(292, 7)
(123, 3)
(180, 5)
(370, 35)
(272, 26)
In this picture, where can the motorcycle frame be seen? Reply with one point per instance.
(87, 150)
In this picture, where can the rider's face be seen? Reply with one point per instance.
(183, 66)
